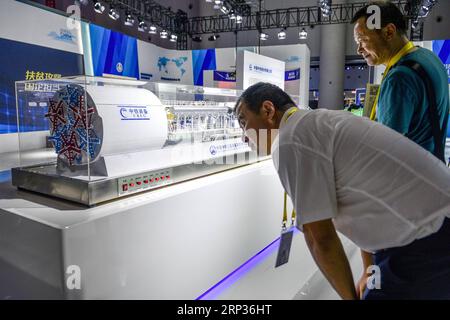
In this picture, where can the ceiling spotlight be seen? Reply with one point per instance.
(232, 16)
(224, 9)
(152, 29)
(214, 37)
(99, 7)
(325, 7)
(217, 4)
(302, 35)
(196, 38)
(415, 24)
(426, 7)
(142, 26)
(238, 19)
(208, 0)
(113, 14)
(263, 36)
(83, 2)
(173, 38)
(129, 20)
(282, 34)
(163, 34)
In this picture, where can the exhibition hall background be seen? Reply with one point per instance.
(38, 44)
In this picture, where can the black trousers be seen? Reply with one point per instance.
(420, 270)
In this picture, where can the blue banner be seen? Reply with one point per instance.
(202, 60)
(224, 76)
(358, 93)
(292, 75)
(113, 53)
(442, 49)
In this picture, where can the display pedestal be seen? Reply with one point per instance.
(171, 243)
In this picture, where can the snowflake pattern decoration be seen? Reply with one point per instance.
(71, 126)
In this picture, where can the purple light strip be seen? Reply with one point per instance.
(236, 274)
(226, 282)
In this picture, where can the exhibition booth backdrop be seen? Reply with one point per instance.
(40, 44)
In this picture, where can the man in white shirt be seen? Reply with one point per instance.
(381, 190)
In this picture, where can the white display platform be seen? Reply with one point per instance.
(171, 243)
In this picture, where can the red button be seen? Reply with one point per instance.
(156, 179)
(162, 177)
(151, 180)
(139, 183)
(131, 184)
(145, 181)
(168, 177)
(125, 187)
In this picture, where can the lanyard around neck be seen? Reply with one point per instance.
(393, 61)
(293, 214)
(290, 112)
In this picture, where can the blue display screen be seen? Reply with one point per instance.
(113, 53)
(24, 61)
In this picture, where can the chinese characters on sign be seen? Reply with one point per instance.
(39, 75)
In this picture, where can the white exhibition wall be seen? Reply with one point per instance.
(253, 68)
(28, 24)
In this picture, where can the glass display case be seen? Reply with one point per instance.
(97, 139)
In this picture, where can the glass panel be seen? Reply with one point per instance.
(93, 128)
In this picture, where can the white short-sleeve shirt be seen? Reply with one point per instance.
(381, 189)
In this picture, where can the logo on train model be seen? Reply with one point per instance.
(134, 113)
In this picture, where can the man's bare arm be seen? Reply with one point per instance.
(326, 249)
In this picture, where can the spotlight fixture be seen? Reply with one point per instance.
(214, 37)
(163, 34)
(83, 2)
(173, 38)
(129, 20)
(325, 7)
(196, 38)
(99, 7)
(217, 4)
(232, 16)
(426, 7)
(238, 19)
(224, 9)
(113, 14)
(142, 26)
(152, 29)
(263, 36)
(209, 1)
(282, 34)
(302, 35)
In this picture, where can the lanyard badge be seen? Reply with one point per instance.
(286, 236)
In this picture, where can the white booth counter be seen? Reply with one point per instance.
(172, 243)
